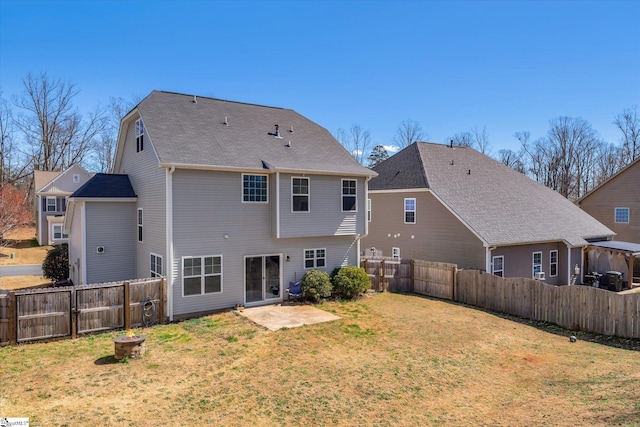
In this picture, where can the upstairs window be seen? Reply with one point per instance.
(349, 195)
(622, 215)
(315, 258)
(369, 210)
(51, 204)
(498, 265)
(409, 211)
(300, 194)
(139, 135)
(254, 188)
(140, 225)
(156, 265)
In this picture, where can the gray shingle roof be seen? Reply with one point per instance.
(193, 133)
(501, 205)
(103, 185)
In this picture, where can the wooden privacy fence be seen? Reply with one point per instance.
(48, 313)
(583, 308)
(437, 279)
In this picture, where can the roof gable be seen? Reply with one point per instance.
(51, 186)
(42, 178)
(630, 166)
(499, 204)
(201, 132)
(106, 186)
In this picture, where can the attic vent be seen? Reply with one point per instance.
(195, 100)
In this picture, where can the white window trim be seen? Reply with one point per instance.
(53, 234)
(155, 273)
(308, 194)
(493, 265)
(551, 263)
(342, 195)
(533, 263)
(369, 215)
(395, 253)
(315, 258)
(55, 204)
(203, 275)
(242, 188)
(140, 225)
(415, 210)
(139, 135)
(615, 216)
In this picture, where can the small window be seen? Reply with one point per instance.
(498, 265)
(254, 188)
(51, 204)
(139, 224)
(58, 232)
(395, 252)
(553, 263)
(202, 275)
(315, 258)
(537, 263)
(622, 215)
(139, 135)
(300, 194)
(156, 265)
(369, 210)
(409, 211)
(349, 195)
(76, 178)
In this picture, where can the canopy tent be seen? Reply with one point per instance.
(611, 255)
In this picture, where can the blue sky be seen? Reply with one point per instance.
(451, 66)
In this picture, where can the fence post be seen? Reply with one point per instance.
(383, 277)
(13, 319)
(74, 313)
(412, 276)
(126, 306)
(453, 283)
(163, 294)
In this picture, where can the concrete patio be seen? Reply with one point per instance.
(280, 316)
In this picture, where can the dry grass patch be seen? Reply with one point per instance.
(13, 283)
(23, 245)
(392, 360)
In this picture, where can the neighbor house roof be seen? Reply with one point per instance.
(499, 204)
(195, 131)
(106, 186)
(42, 178)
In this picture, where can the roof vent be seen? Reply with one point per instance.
(451, 144)
(469, 173)
(226, 121)
(277, 132)
(291, 129)
(195, 100)
(288, 144)
(451, 162)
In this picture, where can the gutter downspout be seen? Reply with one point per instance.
(569, 265)
(277, 205)
(83, 232)
(169, 274)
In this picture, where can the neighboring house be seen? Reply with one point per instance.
(453, 204)
(229, 201)
(51, 192)
(616, 203)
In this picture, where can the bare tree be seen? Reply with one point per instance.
(104, 148)
(55, 133)
(6, 141)
(462, 139)
(356, 141)
(481, 139)
(629, 124)
(409, 132)
(511, 159)
(608, 162)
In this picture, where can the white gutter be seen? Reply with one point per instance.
(262, 170)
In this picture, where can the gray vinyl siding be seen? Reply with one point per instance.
(623, 191)
(206, 207)
(76, 263)
(108, 225)
(437, 234)
(149, 183)
(325, 216)
(518, 261)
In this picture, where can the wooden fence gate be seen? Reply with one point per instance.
(43, 314)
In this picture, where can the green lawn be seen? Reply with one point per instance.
(392, 360)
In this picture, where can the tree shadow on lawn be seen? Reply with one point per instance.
(611, 341)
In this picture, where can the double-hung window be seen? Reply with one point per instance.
(139, 224)
(349, 201)
(139, 135)
(410, 211)
(315, 258)
(300, 194)
(497, 265)
(156, 265)
(51, 204)
(622, 215)
(369, 210)
(201, 275)
(553, 263)
(254, 188)
(537, 263)
(58, 232)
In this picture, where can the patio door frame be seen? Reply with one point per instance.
(265, 291)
